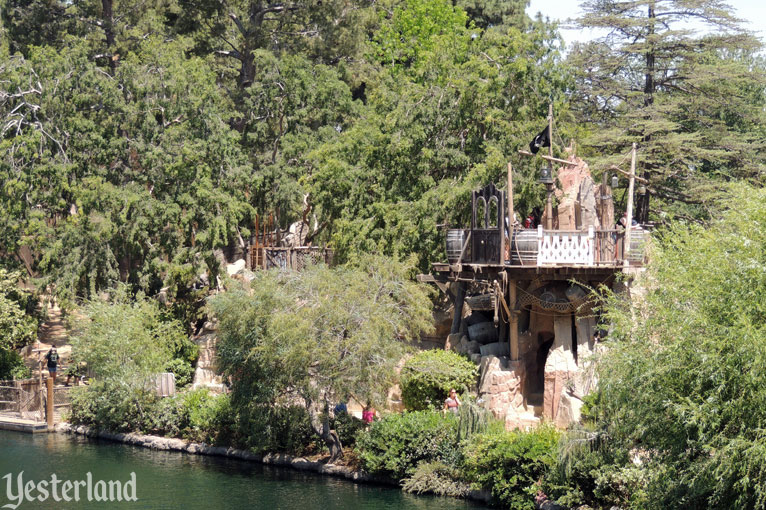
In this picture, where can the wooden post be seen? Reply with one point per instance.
(629, 219)
(548, 202)
(550, 129)
(40, 389)
(49, 403)
(510, 198)
(514, 321)
(458, 313)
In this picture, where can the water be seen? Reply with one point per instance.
(172, 480)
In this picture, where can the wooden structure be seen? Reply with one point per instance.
(539, 306)
(266, 250)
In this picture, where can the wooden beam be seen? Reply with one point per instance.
(458, 312)
(511, 221)
(626, 174)
(513, 321)
(548, 158)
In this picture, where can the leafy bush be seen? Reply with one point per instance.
(683, 381)
(113, 405)
(183, 370)
(512, 464)
(427, 377)
(395, 445)
(437, 478)
(18, 324)
(196, 415)
(347, 428)
(12, 365)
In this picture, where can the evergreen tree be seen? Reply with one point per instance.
(679, 78)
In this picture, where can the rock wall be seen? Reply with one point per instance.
(501, 385)
(560, 366)
(205, 375)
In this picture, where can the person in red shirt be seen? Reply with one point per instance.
(368, 414)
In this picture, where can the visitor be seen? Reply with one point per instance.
(452, 402)
(340, 408)
(53, 361)
(368, 414)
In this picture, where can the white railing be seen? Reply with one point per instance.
(565, 247)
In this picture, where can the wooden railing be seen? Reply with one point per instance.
(562, 247)
(591, 248)
(288, 258)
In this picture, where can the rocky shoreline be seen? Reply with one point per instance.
(273, 459)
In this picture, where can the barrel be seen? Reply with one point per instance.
(524, 248)
(455, 239)
(483, 332)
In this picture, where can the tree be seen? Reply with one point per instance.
(683, 383)
(236, 30)
(316, 336)
(679, 78)
(18, 325)
(433, 130)
(126, 341)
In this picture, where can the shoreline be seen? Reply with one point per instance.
(271, 459)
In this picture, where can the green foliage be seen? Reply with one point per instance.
(183, 371)
(395, 445)
(682, 385)
(476, 419)
(18, 325)
(437, 478)
(347, 426)
(113, 405)
(417, 27)
(511, 465)
(125, 340)
(691, 99)
(318, 334)
(12, 366)
(427, 377)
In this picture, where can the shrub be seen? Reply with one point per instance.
(347, 428)
(511, 465)
(113, 405)
(395, 445)
(12, 365)
(437, 478)
(427, 377)
(183, 370)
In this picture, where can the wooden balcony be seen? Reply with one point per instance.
(551, 248)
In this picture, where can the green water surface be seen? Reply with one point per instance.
(172, 480)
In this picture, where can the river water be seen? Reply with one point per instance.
(173, 480)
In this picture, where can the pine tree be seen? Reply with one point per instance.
(678, 77)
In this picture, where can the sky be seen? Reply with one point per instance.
(752, 11)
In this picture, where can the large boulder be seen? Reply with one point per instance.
(501, 384)
(205, 375)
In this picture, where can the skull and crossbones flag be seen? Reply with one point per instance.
(543, 139)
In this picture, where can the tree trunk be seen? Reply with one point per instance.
(642, 202)
(320, 422)
(107, 17)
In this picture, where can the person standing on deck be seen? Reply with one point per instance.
(53, 362)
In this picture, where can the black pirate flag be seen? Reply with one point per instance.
(541, 140)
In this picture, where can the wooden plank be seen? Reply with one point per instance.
(548, 158)
(458, 312)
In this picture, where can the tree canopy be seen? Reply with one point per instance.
(683, 383)
(319, 336)
(682, 79)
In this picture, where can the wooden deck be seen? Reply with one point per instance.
(21, 425)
